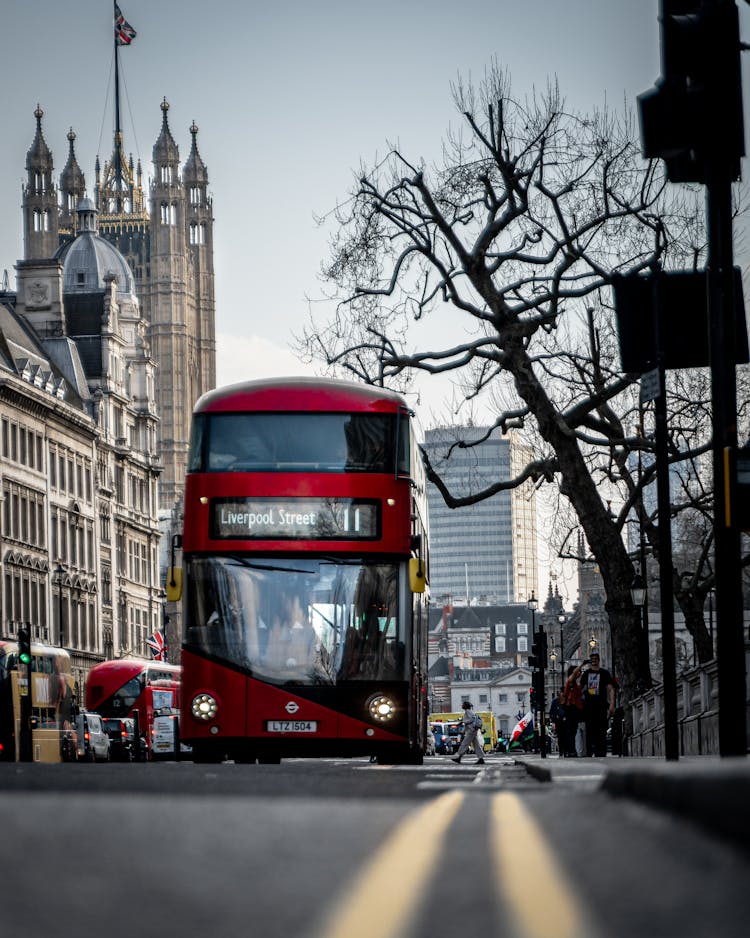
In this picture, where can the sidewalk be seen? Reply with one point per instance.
(711, 790)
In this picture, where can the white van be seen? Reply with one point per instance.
(93, 742)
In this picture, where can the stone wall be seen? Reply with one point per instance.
(697, 714)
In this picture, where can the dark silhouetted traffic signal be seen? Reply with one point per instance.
(537, 683)
(538, 656)
(696, 105)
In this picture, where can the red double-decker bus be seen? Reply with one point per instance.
(304, 548)
(130, 687)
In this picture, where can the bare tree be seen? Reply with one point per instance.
(496, 267)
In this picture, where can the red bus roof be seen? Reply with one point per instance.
(125, 668)
(300, 394)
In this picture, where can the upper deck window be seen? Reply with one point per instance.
(299, 442)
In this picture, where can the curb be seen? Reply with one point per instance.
(537, 771)
(715, 796)
(718, 803)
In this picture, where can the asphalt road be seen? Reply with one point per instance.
(346, 849)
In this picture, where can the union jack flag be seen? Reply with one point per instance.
(158, 645)
(124, 32)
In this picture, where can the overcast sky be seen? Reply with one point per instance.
(290, 99)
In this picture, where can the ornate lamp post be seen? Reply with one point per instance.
(553, 659)
(60, 574)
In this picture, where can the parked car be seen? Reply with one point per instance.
(122, 741)
(430, 748)
(93, 742)
(447, 737)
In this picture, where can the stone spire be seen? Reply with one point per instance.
(72, 188)
(166, 152)
(39, 198)
(195, 172)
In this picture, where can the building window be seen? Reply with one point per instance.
(523, 644)
(522, 628)
(499, 644)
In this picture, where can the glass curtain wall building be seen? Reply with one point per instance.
(487, 552)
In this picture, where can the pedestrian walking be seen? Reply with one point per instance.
(472, 734)
(557, 718)
(598, 692)
(573, 710)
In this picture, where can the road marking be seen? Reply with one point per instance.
(384, 897)
(538, 896)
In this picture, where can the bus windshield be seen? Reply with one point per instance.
(300, 621)
(299, 442)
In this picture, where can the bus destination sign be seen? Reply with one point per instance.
(317, 519)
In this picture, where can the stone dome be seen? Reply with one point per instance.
(89, 259)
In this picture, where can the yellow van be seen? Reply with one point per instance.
(489, 725)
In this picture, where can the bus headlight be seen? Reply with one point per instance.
(381, 708)
(204, 707)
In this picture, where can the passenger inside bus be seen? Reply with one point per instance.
(238, 445)
(292, 639)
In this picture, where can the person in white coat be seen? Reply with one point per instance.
(472, 734)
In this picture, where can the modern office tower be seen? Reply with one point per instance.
(486, 552)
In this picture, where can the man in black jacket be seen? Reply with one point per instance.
(598, 691)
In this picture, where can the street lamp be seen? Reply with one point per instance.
(638, 595)
(638, 591)
(553, 659)
(60, 574)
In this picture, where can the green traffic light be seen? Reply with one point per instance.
(25, 658)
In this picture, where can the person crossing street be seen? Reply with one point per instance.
(472, 734)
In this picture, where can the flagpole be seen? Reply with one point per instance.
(118, 166)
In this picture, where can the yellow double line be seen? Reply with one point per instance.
(534, 897)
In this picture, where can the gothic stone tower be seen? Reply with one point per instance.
(181, 294)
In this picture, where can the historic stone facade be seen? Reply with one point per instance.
(169, 250)
(165, 244)
(78, 454)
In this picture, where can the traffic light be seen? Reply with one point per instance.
(538, 656)
(24, 647)
(537, 684)
(696, 105)
(532, 699)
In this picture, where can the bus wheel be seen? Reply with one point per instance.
(244, 758)
(405, 756)
(206, 756)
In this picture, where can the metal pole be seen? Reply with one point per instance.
(542, 701)
(730, 645)
(669, 677)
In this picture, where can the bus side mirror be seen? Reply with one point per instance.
(417, 579)
(174, 584)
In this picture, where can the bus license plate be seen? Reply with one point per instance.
(292, 726)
